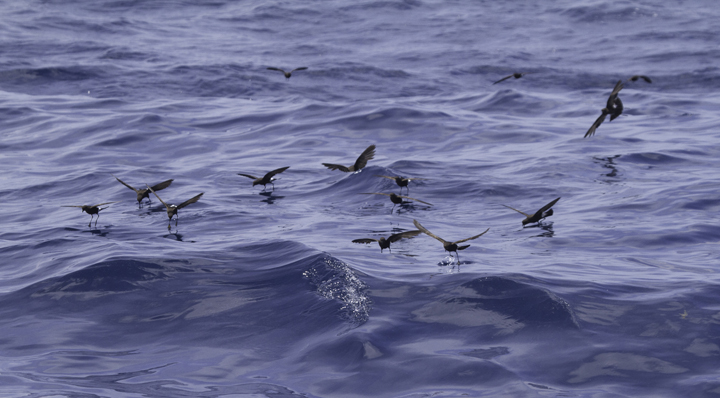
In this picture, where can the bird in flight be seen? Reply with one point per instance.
(385, 243)
(636, 77)
(545, 211)
(172, 210)
(614, 108)
(396, 199)
(401, 181)
(287, 74)
(145, 193)
(449, 246)
(361, 161)
(93, 209)
(515, 75)
(266, 179)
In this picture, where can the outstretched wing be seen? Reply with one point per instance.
(504, 78)
(277, 171)
(124, 183)
(106, 203)
(471, 238)
(417, 200)
(596, 124)
(362, 160)
(162, 185)
(524, 214)
(367, 240)
(647, 79)
(401, 235)
(613, 95)
(300, 68)
(190, 201)
(336, 167)
(156, 195)
(248, 176)
(277, 69)
(70, 206)
(388, 177)
(546, 207)
(424, 230)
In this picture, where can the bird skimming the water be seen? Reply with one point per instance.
(145, 193)
(396, 199)
(401, 181)
(449, 246)
(385, 243)
(172, 210)
(93, 209)
(545, 211)
(267, 179)
(361, 161)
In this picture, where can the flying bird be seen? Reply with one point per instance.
(401, 181)
(385, 243)
(515, 75)
(172, 210)
(361, 161)
(267, 179)
(288, 74)
(545, 211)
(93, 209)
(613, 108)
(145, 193)
(396, 199)
(636, 77)
(449, 246)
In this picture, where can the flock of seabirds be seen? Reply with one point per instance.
(613, 108)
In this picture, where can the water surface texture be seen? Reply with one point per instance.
(261, 293)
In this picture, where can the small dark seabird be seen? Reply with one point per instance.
(172, 210)
(396, 199)
(545, 211)
(288, 74)
(94, 209)
(267, 179)
(145, 193)
(449, 246)
(401, 181)
(613, 108)
(361, 161)
(515, 75)
(385, 243)
(636, 77)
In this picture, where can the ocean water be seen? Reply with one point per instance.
(261, 293)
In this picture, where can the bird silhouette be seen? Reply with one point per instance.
(402, 181)
(515, 75)
(396, 199)
(385, 243)
(361, 161)
(288, 74)
(545, 211)
(172, 210)
(145, 193)
(93, 209)
(449, 246)
(613, 108)
(636, 77)
(266, 179)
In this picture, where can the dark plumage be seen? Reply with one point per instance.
(288, 74)
(93, 209)
(636, 77)
(267, 179)
(145, 193)
(385, 243)
(614, 108)
(515, 75)
(172, 210)
(449, 246)
(361, 161)
(396, 199)
(545, 211)
(401, 181)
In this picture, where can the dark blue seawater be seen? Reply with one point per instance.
(263, 294)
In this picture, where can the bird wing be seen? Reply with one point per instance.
(471, 238)
(362, 160)
(425, 230)
(613, 95)
(162, 185)
(156, 195)
(417, 200)
(300, 68)
(596, 124)
(388, 177)
(277, 69)
(401, 235)
(366, 240)
(417, 179)
(504, 78)
(647, 79)
(70, 206)
(124, 183)
(276, 171)
(524, 214)
(545, 208)
(190, 201)
(106, 203)
(336, 167)
(248, 176)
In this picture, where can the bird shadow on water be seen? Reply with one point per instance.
(547, 229)
(269, 198)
